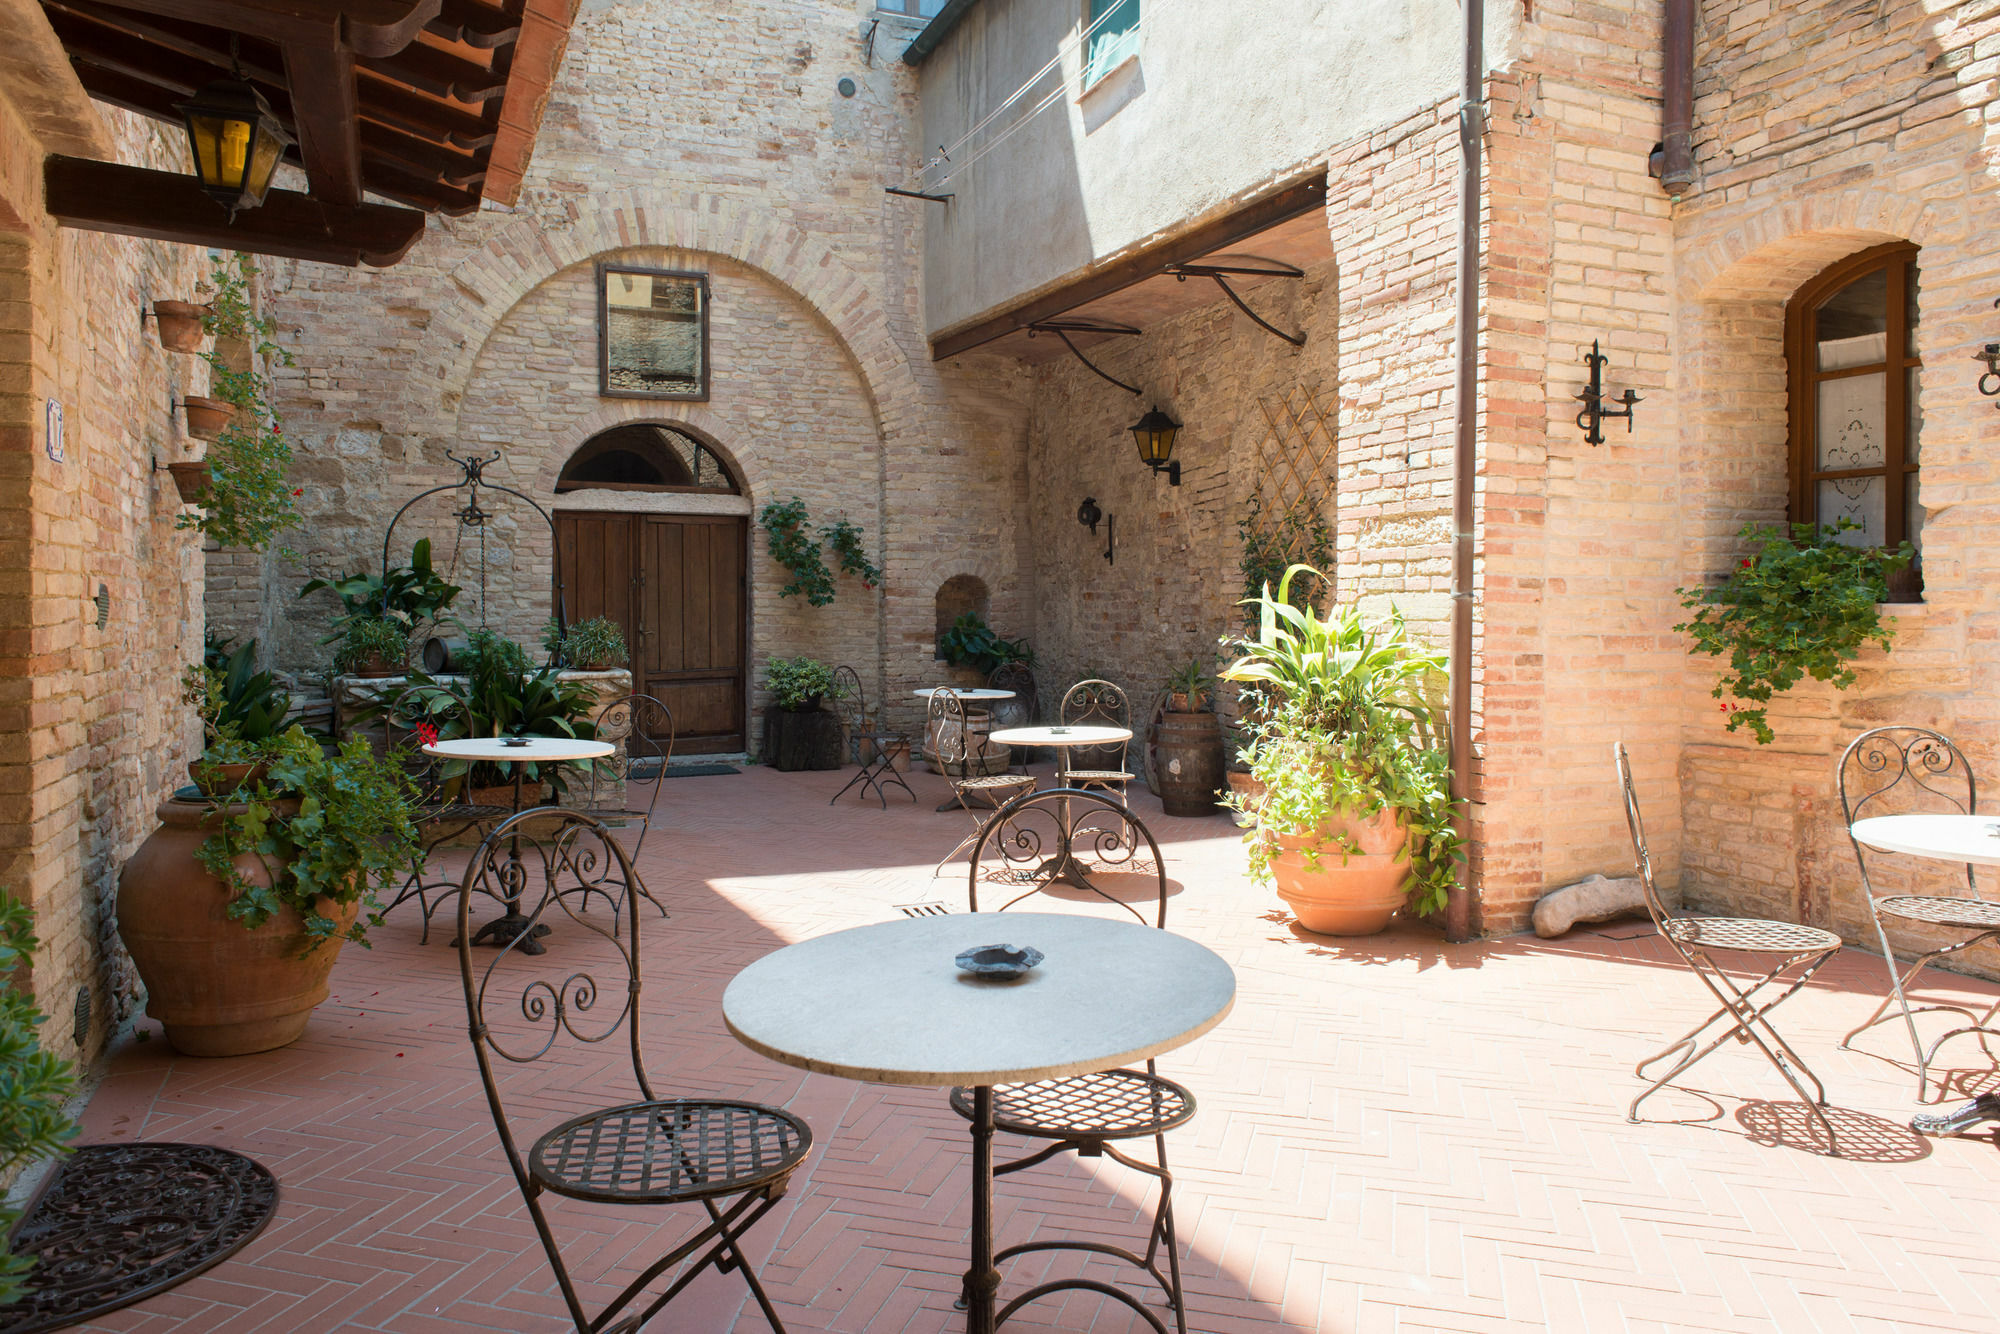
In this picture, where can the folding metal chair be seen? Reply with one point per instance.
(1099, 704)
(979, 794)
(732, 1158)
(878, 764)
(1899, 770)
(1799, 950)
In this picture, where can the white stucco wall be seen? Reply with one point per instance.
(1222, 99)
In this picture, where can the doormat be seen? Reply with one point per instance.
(119, 1223)
(700, 770)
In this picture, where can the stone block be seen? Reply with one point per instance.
(1594, 898)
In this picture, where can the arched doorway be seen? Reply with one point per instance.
(654, 534)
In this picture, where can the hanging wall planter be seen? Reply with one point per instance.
(190, 479)
(207, 417)
(179, 323)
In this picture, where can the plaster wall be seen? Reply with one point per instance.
(1221, 101)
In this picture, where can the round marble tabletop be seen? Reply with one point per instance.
(963, 692)
(888, 1003)
(539, 749)
(1949, 838)
(1081, 735)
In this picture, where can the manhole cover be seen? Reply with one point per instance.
(120, 1222)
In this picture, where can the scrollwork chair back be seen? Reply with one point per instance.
(1096, 703)
(1903, 770)
(1027, 831)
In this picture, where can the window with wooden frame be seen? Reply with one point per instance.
(1851, 349)
(652, 333)
(646, 456)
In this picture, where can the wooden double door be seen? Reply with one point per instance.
(675, 585)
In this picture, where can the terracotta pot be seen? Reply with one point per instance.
(220, 988)
(1187, 762)
(190, 479)
(1345, 894)
(219, 780)
(502, 795)
(207, 416)
(375, 666)
(1243, 785)
(179, 324)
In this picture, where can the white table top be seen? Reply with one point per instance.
(1067, 736)
(963, 692)
(1948, 838)
(887, 1002)
(539, 749)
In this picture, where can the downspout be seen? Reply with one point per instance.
(1460, 919)
(1677, 98)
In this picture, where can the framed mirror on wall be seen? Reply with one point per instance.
(652, 333)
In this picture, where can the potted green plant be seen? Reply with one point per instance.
(1187, 744)
(1354, 820)
(372, 646)
(179, 324)
(1803, 604)
(34, 1084)
(498, 695)
(241, 711)
(798, 732)
(594, 645)
(247, 500)
(235, 908)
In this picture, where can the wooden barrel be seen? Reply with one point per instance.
(1188, 763)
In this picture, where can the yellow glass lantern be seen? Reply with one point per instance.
(237, 142)
(1155, 434)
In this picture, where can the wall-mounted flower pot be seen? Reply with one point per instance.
(207, 417)
(179, 323)
(190, 479)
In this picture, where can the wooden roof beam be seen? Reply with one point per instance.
(421, 115)
(481, 27)
(372, 28)
(440, 73)
(324, 116)
(167, 206)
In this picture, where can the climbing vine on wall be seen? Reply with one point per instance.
(794, 544)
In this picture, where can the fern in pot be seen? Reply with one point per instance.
(1354, 817)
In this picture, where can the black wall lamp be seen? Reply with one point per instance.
(1591, 419)
(1154, 434)
(237, 142)
(1990, 355)
(1090, 516)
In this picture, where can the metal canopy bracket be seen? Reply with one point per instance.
(1222, 273)
(916, 194)
(1063, 327)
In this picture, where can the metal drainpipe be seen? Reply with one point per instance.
(1460, 919)
(1677, 98)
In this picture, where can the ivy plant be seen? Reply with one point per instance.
(248, 501)
(33, 1083)
(845, 539)
(1803, 604)
(1272, 546)
(794, 545)
(970, 642)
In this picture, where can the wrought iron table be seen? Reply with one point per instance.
(519, 752)
(888, 1004)
(975, 699)
(1064, 866)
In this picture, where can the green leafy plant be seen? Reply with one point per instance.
(33, 1082)
(318, 828)
(1193, 682)
(215, 649)
(970, 642)
(366, 639)
(498, 695)
(845, 539)
(412, 594)
(1802, 605)
(248, 501)
(1349, 728)
(797, 683)
(1273, 546)
(234, 700)
(593, 644)
(790, 540)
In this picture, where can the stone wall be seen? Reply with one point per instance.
(92, 731)
(1823, 129)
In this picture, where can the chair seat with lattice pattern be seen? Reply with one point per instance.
(988, 784)
(1093, 777)
(1964, 914)
(1112, 1104)
(668, 1152)
(1750, 935)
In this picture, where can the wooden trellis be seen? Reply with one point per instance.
(1298, 456)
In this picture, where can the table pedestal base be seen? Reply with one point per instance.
(505, 930)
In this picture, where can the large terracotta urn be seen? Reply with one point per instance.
(1354, 893)
(219, 987)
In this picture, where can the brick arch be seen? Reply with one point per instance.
(694, 418)
(1767, 255)
(525, 253)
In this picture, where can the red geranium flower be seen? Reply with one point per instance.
(426, 734)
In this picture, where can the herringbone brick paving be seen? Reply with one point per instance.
(1394, 1134)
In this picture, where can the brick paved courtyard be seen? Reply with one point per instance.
(1394, 1134)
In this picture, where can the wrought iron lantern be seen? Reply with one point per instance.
(1155, 434)
(237, 142)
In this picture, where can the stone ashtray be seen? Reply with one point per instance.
(1003, 963)
(519, 741)
(1058, 731)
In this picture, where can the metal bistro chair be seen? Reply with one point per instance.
(646, 727)
(1695, 940)
(1898, 770)
(1084, 1114)
(1105, 768)
(439, 819)
(980, 794)
(732, 1158)
(879, 768)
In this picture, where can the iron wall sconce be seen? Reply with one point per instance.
(1089, 515)
(1990, 356)
(1594, 414)
(1154, 433)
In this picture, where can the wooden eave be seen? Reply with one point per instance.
(434, 104)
